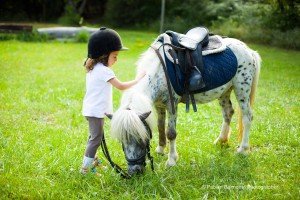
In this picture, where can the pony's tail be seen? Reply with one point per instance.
(257, 60)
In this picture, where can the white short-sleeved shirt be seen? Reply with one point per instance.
(98, 96)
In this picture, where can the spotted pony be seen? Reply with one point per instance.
(151, 92)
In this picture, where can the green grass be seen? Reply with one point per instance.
(43, 134)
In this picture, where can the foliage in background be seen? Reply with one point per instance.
(275, 22)
(33, 36)
(35, 10)
(285, 14)
(70, 16)
(258, 23)
(130, 13)
(82, 37)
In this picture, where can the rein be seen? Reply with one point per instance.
(118, 169)
(166, 74)
(148, 144)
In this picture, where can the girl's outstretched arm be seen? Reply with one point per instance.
(125, 85)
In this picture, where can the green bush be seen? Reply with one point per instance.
(258, 34)
(33, 36)
(6, 36)
(82, 37)
(287, 39)
(254, 22)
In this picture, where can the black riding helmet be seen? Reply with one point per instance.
(104, 41)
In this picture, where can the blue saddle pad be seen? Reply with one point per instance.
(218, 69)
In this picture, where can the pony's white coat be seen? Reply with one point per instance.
(152, 91)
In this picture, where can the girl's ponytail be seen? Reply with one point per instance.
(90, 63)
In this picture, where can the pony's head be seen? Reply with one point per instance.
(132, 125)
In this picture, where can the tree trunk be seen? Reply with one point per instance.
(82, 7)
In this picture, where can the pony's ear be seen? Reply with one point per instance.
(109, 116)
(144, 115)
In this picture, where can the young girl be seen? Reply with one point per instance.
(103, 49)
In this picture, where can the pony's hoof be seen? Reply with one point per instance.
(221, 141)
(173, 158)
(243, 150)
(170, 163)
(160, 150)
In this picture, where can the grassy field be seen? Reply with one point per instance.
(43, 134)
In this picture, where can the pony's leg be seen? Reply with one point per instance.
(171, 135)
(161, 118)
(243, 99)
(227, 111)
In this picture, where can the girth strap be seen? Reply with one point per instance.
(187, 73)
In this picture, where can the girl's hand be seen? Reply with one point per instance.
(140, 75)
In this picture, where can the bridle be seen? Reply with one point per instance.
(140, 160)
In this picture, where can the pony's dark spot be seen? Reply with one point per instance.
(240, 66)
(239, 71)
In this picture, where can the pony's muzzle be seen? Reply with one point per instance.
(135, 169)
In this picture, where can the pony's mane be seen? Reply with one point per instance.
(126, 121)
(148, 61)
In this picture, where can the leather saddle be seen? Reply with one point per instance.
(189, 58)
(185, 56)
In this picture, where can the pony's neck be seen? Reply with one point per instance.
(144, 87)
(151, 84)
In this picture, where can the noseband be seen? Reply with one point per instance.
(140, 160)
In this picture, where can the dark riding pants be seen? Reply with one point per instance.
(95, 136)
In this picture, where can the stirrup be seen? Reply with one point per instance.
(196, 80)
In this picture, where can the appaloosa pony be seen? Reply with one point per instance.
(133, 122)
